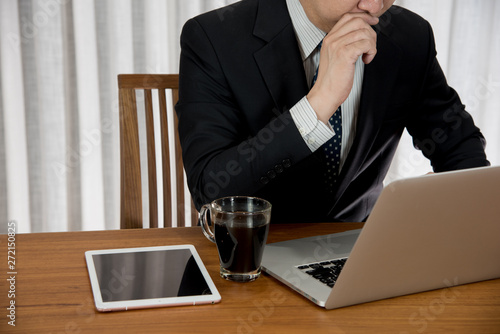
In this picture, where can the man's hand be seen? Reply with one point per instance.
(349, 39)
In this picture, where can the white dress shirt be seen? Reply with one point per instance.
(315, 132)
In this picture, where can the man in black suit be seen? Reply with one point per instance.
(262, 83)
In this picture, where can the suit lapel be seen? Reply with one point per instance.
(279, 59)
(378, 82)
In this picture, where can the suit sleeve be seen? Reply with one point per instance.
(441, 127)
(222, 155)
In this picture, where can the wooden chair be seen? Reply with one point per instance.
(130, 168)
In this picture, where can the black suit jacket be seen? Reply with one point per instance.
(241, 71)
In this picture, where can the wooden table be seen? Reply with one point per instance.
(53, 294)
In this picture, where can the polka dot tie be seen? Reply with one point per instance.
(332, 147)
(332, 151)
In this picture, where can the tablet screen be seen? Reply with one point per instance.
(145, 275)
(149, 277)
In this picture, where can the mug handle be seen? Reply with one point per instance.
(204, 223)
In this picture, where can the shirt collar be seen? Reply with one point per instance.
(308, 35)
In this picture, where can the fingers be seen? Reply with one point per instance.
(368, 56)
(353, 45)
(367, 18)
(353, 21)
(353, 36)
(349, 39)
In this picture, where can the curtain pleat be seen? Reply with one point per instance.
(16, 114)
(3, 157)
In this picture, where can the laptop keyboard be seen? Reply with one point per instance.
(326, 272)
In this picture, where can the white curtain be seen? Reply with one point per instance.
(59, 167)
(59, 144)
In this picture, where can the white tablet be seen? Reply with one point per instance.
(134, 278)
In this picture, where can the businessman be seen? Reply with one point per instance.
(303, 102)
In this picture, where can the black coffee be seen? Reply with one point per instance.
(240, 248)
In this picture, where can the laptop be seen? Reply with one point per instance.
(424, 233)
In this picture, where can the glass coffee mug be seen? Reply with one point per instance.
(241, 225)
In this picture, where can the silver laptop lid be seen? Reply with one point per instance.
(425, 233)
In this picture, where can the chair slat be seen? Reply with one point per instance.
(194, 214)
(181, 205)
(150, 134)
(130, 169)
(165, 151)
(130, 180)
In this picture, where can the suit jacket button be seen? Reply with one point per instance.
(278, 168)
(286, 163)
(264, 180)
(271, 174)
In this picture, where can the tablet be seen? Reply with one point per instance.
(134, 278)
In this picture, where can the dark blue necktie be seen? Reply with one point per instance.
(332, 147)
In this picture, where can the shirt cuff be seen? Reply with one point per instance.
(314, 132)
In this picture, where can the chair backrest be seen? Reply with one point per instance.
(131, 215)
